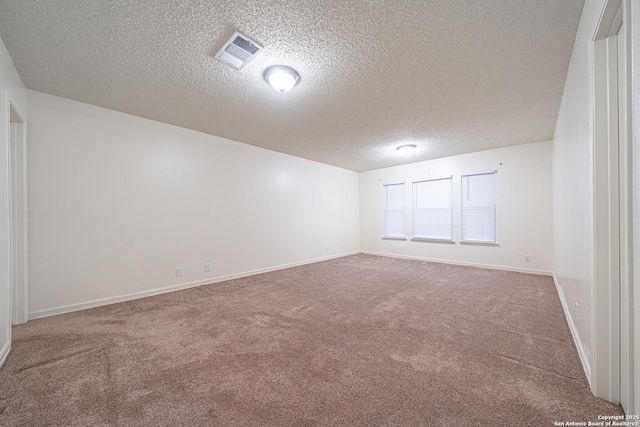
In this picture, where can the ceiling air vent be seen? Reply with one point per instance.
(238, 51)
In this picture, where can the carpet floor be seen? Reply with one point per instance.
(356, 341)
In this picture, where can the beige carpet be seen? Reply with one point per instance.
(356, 341)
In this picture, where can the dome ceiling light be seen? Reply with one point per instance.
(281, 77)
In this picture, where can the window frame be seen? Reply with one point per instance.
(414, 209)
(401, 210)
(464, 241)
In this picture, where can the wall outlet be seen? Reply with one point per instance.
(207, 267)
(576, 310)
(326, 249)
(527, 258)
(179, 272)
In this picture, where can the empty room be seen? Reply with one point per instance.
(319, 213)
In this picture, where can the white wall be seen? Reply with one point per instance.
(572, 188)
(523, 202)
(11, 92)
(117, 202)
(573, 182)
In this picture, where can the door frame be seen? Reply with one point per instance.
(612, 364)
(18, 265)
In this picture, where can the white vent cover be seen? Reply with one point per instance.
(238, 51)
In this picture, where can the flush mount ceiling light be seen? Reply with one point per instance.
(406, 148)
(281, 77)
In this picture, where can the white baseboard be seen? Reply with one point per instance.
(470, 264)
(586, 366)
(128, 297)
(5, 352)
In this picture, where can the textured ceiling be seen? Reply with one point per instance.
(451, 76)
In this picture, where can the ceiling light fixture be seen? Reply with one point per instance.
(406, 148)
(281, 77)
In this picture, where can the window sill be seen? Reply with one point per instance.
(393, 238)
(418, 239)
(496, 244)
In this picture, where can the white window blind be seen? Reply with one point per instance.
(394, 210)
(433, 209)
(479, 208)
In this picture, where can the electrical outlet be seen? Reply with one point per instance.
(326, 249)
(577, 311)
(527, 258)
(207, 267)
(179, 272)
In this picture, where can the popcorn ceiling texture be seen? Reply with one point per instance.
(450, 76)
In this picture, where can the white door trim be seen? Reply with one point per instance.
(5, 291)
(612, 302)
(627, 305)
(18, 215)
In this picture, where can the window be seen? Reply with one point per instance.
(479, 208)
(433, 210)
(394, 210)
